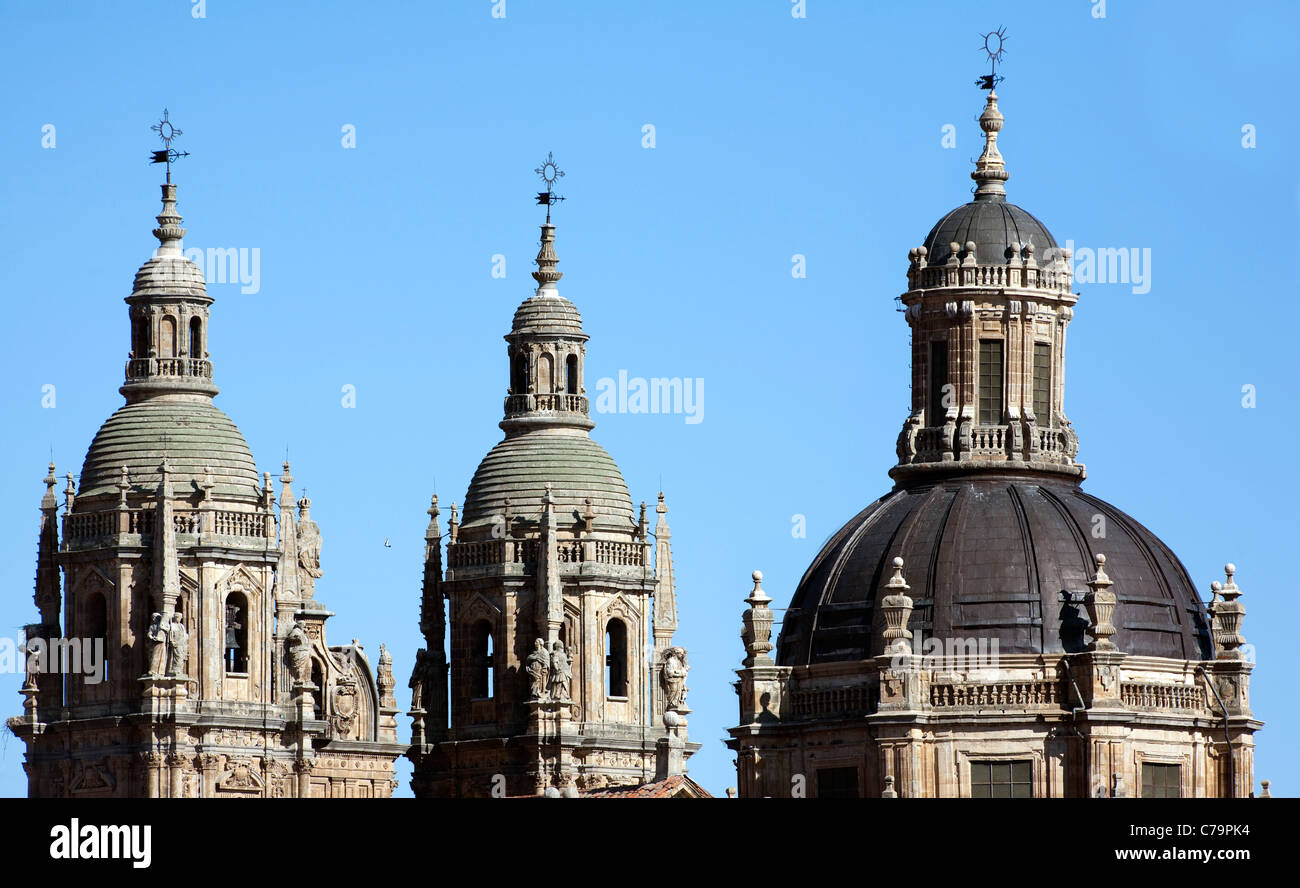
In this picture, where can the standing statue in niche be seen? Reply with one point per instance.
(178, 638)
(157, 636)
(297, 652)
(561, 672)
(538, 666)
(309, 545)
(421, 677)
(673, 677)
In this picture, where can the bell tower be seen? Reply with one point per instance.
(562, 676)
(201, 667)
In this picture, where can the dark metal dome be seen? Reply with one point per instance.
(988, 557)
(993, 225)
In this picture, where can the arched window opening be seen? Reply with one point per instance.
(167, 347)
(96, 627)
(519, 375)
(481, 656)
(236, 632)
(318, 681)
(571, 374)
(196, 338)
(545, 374)
(139, 338)
(616, 659)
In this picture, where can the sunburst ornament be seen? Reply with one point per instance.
(549, 172)
(166, 131)
(994, 47)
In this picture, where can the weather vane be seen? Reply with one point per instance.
(549, 171)
(166, 131)
(995, 45)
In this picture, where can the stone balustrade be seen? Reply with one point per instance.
(487, 553)
(1149, 696)
(1017, 693)
(1010, 276)
(557, 402)
(80, 528)
(183, 368)
(824, 701)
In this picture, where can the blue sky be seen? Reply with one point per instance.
(774, 136)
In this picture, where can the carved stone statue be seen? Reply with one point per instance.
(157, 636)
(538, 666)
(420, 678)
(297, 652)
(561, 672)
(673, 677)
(309, 546)
(178, 638)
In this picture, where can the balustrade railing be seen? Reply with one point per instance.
(1152, 695)
(484, 553)
(1034, 277)
(142, 522)
(145, 368)
(998, 693)
(557, 402)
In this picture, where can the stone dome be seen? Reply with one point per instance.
(547, 313)
(190, 431)
(988, 557)
(576, 467)
(993, 224)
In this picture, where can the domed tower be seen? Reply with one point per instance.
(180, 650)
(560, 604)
(987, 627)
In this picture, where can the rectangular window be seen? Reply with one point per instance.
(1002, 780)
(1161, 781)
(837, 783)
(938, 379)
(990, 382)
(1043, 382)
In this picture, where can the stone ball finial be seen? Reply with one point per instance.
(570, 792)
(1101, 560)
(954, 247)
(551, 793)
(672, 719)
(1216, 586)
(898, 561)
(1029, 248)
(970, 246)
(1229, 569)
(758, 576)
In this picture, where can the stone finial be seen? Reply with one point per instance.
(453, 525)
(1264, 793)
(50, 500)
(889, 792)
(896, 608)
(548, 499)
(757, 632)
(384, 679)
(70, 493)
(1100, 604)
(169, 231)
(1228, 616)
(123, 487)
(207, 483)
(990, 172)
(589, 515)
(546, 274)
(433, 531)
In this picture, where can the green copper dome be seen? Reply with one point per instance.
(575, 466)
(190, 431)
